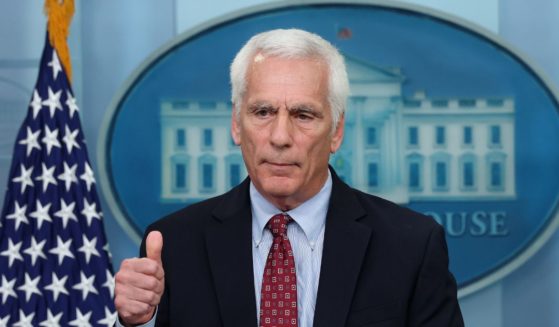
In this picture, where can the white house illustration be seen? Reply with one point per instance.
(404, 149)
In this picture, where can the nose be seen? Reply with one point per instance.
(282, 131)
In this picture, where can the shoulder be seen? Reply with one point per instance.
(390, 221)
(192, 219)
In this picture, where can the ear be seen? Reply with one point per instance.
(235, 128)
(338, 135)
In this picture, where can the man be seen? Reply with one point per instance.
(292, 245)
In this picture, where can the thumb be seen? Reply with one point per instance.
(154, 245)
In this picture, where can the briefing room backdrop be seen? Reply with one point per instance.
(110, 39)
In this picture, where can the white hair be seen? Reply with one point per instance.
(292, 44)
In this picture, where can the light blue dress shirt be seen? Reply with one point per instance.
(306, 236)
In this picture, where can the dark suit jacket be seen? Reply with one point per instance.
(382, 265)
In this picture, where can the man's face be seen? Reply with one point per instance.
(285, 128)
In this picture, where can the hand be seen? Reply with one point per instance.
(139, 283)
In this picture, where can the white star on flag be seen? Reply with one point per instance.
(110, 283)
(52, 320)
(12, 252)
(66, 212)
(69, 175)
(110, 318)
(25, 320)
(71, 103)
(19, 215)
(88, 248)
(36, 104)
(57, 286)
(35, 250)
(55, 65)
(24, 178)
(62, 249)
(90, 211)
(47, 176)
(31, 141)
(53, 102)
(86, 285)
(107, 249)
(4, 321)
(7, 288)
(41, 213)
(70, 139)
(82, 320)
(50, 139)
(30, 286)
(88, 177)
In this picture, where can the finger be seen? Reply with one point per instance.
(133, 312)
(144, 266)
(154, 245)
(134, 279)
(143, 295)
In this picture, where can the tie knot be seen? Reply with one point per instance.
(278, 224)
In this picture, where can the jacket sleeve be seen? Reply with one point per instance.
(434, 301)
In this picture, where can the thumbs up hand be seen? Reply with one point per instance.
(139, 283)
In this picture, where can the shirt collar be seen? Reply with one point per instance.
(310, 215)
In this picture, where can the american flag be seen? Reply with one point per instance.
(55, 267)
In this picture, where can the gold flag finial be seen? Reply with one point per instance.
(59, 14)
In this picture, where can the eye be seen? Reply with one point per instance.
(262, 113)
(304, 116)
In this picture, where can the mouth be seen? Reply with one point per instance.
(280, 164)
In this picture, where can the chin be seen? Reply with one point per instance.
(278, 186)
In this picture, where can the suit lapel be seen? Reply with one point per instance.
(345, 243)
(229, 244)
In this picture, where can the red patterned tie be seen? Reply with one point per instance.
(278, 304)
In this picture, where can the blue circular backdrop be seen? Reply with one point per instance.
(443, 58)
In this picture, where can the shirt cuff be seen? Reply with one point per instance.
(150, 323)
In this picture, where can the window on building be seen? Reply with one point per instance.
(467, 103)
(234, 174)
(178, 182)
(180, 105)
(234, 169)
(496, 175)
(207, 105)
(414, 175)
(207, 138)
(496, 171)
(415, 171)
(413, 136)
(440, 174)
(180, 138)
(409, 103)
(371, 137)
(180, 176)
(495, 136)
(208, 176)
(207, 173)
(439, 103)
(372, 169)
(495, 102)
(467, 131)
(467, 170)
(439, 135)
(468, 173)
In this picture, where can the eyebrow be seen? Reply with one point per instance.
(261, 105)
